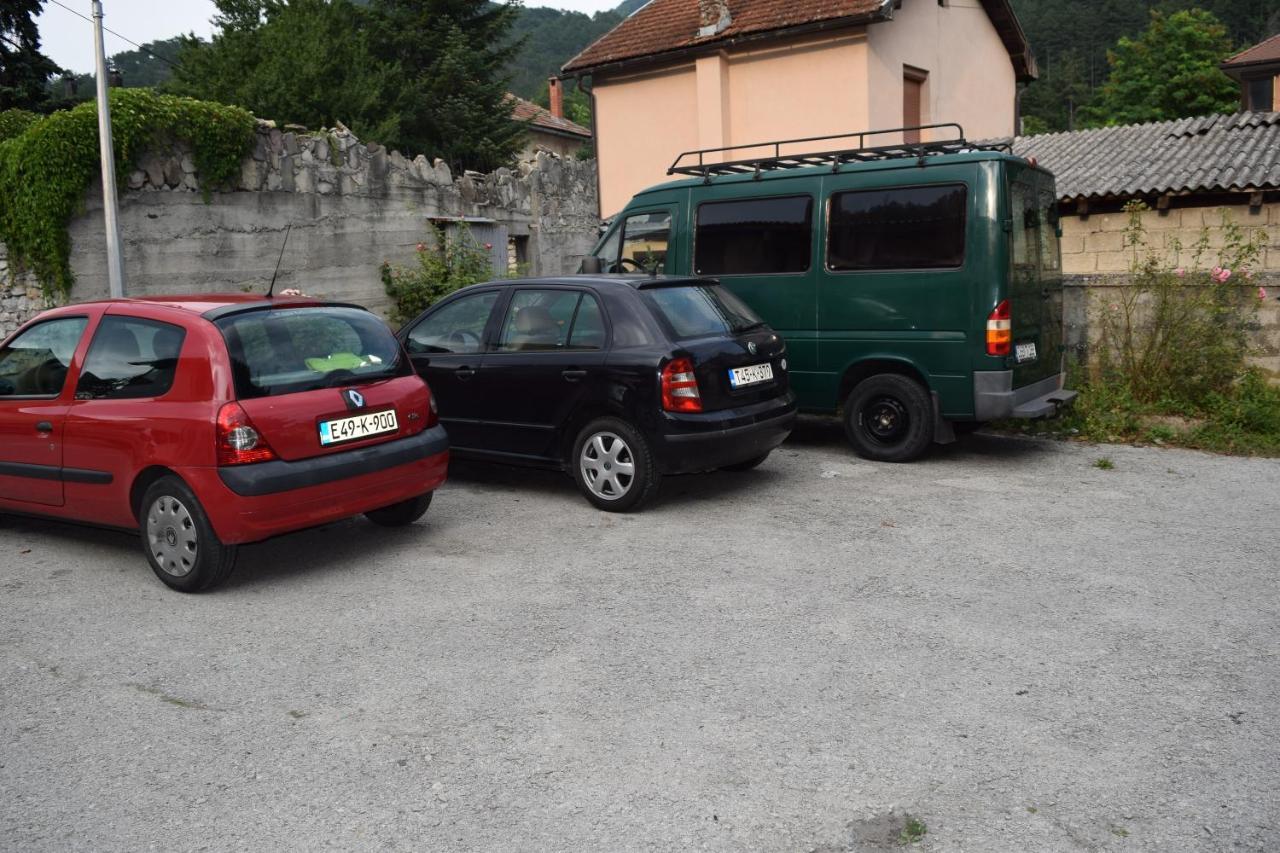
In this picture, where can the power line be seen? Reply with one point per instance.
(149, 53)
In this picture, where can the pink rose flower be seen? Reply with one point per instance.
(1180, 272)
(1262, 293)
(422, 247)
(488, 245)
(1220, 274)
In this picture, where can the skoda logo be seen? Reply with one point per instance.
(355, 400)
(751, 347)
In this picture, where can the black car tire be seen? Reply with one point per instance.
(644, 478)
(748, 464)
(401, 514)
(889, 418)
(178, 539)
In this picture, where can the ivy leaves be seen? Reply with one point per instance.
(46, 168)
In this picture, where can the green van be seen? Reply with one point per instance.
(918, 286)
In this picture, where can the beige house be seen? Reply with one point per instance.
(686, 74)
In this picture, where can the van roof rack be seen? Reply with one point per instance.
(834, 158)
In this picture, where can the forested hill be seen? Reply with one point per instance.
(1071, 39)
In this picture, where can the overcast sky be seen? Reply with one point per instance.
(68, 40)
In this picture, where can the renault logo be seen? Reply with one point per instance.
(355, 400)
(751, 347)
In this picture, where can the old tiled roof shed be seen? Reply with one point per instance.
(1210, 155)
(667, 29)
(542, 119)
(1260, 54)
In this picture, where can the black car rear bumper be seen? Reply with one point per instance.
(710, 440)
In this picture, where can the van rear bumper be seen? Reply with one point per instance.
(995, 398)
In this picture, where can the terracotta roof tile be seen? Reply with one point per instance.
(523, 110)
(667, 25)
(1268, 51)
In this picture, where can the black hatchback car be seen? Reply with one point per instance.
(617, 379)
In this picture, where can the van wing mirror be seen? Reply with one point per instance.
(591, 265)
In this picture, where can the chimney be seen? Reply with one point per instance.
(557, 96)
(713, 17)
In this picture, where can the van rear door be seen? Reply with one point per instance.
(1035, 280)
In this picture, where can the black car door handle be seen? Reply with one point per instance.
(573, 375)
(44, 426)
(464, 372)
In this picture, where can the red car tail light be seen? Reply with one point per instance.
(1000, 330)
(237, 441)
(680, 387)
(433, 411)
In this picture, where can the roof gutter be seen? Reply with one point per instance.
(884, 13)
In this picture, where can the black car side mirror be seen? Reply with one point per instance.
(591, 265)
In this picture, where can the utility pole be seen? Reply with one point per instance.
(115, 253)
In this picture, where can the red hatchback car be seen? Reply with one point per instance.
(207, 422)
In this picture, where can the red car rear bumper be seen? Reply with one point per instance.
(253, 502)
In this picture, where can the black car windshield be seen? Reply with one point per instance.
(701, 310)
(287, 350)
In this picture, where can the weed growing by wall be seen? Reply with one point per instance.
(449, 261)
(46, 169)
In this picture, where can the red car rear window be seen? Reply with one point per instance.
(288, 350)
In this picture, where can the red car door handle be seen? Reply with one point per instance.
(573, 375)
(44, 426)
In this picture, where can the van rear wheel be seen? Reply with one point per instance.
(889, 418)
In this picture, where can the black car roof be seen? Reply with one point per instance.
(632, 281)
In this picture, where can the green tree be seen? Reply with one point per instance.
(305, 62)
(422, 77)
(451, 98)
(1169, 72)
(1053, 103)
(24, 70)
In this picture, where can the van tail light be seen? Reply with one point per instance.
(680, 387)
(1000, 330)
(238, 442)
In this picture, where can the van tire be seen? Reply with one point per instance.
(171, 520)
(889, 418)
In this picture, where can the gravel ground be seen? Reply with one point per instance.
(1005, 643)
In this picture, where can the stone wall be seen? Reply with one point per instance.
(1096, 261)
(351, 206)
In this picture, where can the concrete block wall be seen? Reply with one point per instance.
(1095, 244)
(351, 206)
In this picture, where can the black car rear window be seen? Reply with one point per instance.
(287, 350)
(700, 310)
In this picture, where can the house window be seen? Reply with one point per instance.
(759, 236)
(906, 228)
(1261, 94)
(913, 80)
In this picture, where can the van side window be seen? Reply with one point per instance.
(644, 243)
(907, 228)
(759, 236)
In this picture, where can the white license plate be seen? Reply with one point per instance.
(358, 427)
(753, 375)
(1026, 352)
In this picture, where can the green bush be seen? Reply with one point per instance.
(46, 169)
(1171, 361)
(14, 122)
(444, 264)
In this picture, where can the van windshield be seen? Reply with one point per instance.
(285, 351)
(701, 311)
